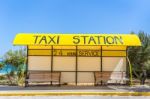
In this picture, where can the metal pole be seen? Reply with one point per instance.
(130, 69)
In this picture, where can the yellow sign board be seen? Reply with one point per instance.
(77, 39)
(79, 52)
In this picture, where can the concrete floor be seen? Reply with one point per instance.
(83, 89)
(116, 89)
(111, 88)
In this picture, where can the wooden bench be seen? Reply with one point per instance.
(105, 76)
(101, 77)
(43, 76)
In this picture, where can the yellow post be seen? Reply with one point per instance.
(130, 67)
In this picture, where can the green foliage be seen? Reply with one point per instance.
(2, 77)
(140, 56)
(17, 59)
(1, 65)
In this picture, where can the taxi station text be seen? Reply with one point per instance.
(78, 40)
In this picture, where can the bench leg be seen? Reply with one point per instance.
(96, 83)
(26, 84)
(59, 84)
(51, 83)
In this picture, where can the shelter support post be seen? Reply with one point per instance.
(130, 70)
(26, 71)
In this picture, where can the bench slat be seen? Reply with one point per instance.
(41, 76)
(108, 75)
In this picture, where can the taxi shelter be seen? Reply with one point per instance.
(79, 56)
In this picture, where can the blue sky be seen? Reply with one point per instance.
(71, 16)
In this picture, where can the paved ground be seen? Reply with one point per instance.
(78, 88)
(90, 89)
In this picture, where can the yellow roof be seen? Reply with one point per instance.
(77, 39)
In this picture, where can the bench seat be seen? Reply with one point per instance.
(43, 76)
(105, 76)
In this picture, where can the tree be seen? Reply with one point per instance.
(1, 65)
(140, 57)
(16, 59)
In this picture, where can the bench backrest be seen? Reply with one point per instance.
(102, 75)
(110, 75)
(44, 75)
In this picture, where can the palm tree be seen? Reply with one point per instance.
(140, 57)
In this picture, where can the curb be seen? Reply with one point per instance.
(74, 93)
